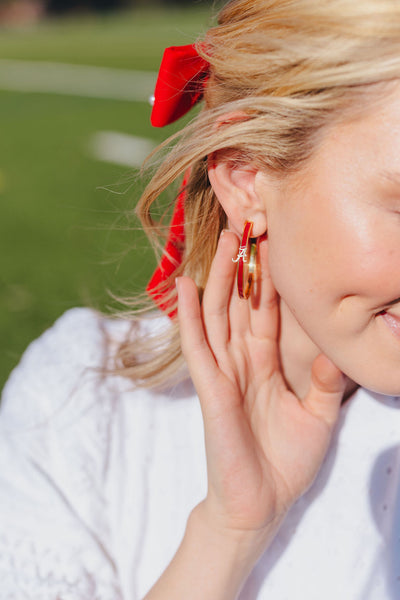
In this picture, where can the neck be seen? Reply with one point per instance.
(298, 352)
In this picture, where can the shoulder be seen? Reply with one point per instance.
(77, 327)
(58, 406)
(63, 413)
(66, 363)
(61, 408)
(52, 365)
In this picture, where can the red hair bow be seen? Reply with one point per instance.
(180, 84)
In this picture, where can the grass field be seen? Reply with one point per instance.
(63, 231)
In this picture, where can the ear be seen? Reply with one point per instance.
(240, 192)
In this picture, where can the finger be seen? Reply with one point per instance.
(199, 358)
(264, 316)
(219, 289)
(326, 390)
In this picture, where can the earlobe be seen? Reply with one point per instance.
(234, 184)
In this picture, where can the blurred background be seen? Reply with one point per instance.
(75, 78)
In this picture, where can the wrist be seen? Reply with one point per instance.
(241, 548)
(213, 560)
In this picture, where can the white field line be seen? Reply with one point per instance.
(120, 148)
(76, 80)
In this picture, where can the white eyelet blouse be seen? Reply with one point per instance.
(97, 479)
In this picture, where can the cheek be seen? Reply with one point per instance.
(365, 261)
(303, 259)
(298, 271)
(320, 258)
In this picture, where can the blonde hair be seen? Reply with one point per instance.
(290, 67)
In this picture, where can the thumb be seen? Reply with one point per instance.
(326, 390)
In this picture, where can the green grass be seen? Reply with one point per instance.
(132, 40)
(63, 230)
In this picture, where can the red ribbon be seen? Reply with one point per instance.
(180, 84)
(157, 287)
(179, 87)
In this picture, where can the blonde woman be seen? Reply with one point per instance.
(276, 476)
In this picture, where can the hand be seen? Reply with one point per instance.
(264, 446)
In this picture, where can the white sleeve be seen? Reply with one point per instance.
(55, 435)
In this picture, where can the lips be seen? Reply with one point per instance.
(392, 321)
